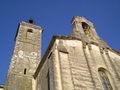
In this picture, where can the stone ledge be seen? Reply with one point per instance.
(31, 25)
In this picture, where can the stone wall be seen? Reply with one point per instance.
(42, 78)
(74, 66)
(26, 57)
(19, 82)
(1, 89)
(115, 64)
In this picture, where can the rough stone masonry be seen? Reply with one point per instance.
(80, 61)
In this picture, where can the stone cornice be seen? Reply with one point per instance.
(30, 25)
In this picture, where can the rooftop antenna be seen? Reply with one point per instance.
(30, 20)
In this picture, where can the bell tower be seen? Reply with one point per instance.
(84, 29)
(26, 56)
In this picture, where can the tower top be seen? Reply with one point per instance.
(81, 19)
(30, 24)
(84, 29)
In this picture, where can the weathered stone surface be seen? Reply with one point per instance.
(26, 57)
(73, 62)
(1, 88)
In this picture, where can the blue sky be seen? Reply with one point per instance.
(55, 16)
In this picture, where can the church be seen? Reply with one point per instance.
(80, 61)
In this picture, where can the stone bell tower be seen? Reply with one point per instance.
(84, 29)
(26, 57)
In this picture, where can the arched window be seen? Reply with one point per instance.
(30, 34)
(87, 30)
(105, 79)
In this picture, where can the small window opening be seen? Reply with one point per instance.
(25, 71)
(30, 30)
(49, 55)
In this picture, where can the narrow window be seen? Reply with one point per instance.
(25, 71)
(49, 55)
(48, 80)
(104, 79)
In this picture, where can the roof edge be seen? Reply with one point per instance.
(68, 37)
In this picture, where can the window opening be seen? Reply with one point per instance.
(30, 34)
(30, 30)
(85, 25)
(49, 55)
(25, 71)
(105, 80)
(87, 30)
(48, 80)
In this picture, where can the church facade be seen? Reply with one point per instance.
(80, 61)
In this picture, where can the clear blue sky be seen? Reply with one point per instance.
(54, 16)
